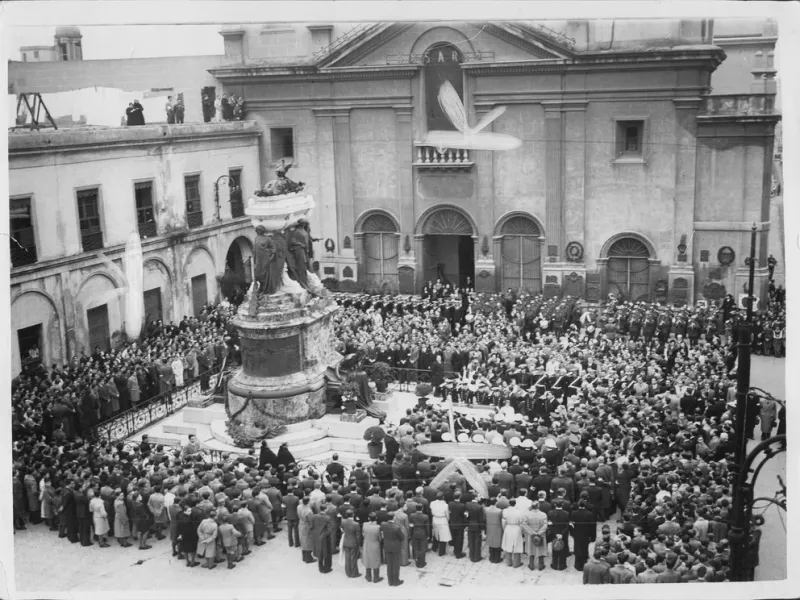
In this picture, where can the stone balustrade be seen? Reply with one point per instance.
(444, 158)
(739, 105)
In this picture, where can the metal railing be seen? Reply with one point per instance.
(194, 219)
(341, 41)
(150, 412)
(92, 241)
(22, 256)
(407, 379)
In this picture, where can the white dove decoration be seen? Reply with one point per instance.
(466, 137)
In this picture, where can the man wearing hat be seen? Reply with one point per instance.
(584, 530)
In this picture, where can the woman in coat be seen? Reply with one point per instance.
(142, 520)
(512, 534)
(97, 508)
(187, 535)
(122, 525)
(304, 514)
(32, 492)
(371, 551)
(47, 511)
(769, 412)
(440, 522)
(133, 388)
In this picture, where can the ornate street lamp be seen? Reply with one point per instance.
(746, 473)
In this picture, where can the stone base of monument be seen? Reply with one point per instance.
(384, 401)
(355, 417)
(286, 350)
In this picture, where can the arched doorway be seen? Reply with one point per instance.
(628, 269)
(520, 251)
(380, 253)
(239, 259)
(448, 247)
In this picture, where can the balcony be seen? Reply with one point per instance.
(92, 241)
(430, 158)
(147, 230)
(739, 105)
(21, 257)
(194, 219)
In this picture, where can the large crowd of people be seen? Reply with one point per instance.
(619, 420)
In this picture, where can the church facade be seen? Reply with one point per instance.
(631, 177)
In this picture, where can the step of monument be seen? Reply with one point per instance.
(204, 415)
(328, 444)
(180, 429)
(296, 438)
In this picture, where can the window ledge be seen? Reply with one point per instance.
(629, 160)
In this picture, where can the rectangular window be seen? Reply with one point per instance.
(24, 57)
(63, 49)
(630, 139)
(23, 243)
(199, 294)
(99, 335)
(145, 214)
(152, 305)
(89, 217)
(282, 144)
(30, 345)
(235, 185)
(194, 210)
(35, 54)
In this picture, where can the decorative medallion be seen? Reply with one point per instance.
(330, 245)
(484, 274)
(348, 244)
(726, 256)
(714, 291)
(574, 252)
(551, 279)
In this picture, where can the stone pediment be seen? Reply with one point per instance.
(406, 43)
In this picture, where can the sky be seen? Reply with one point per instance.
(127, 41)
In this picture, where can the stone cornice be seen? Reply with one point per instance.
(54, 266)
(231, 74)
(26, 144)
(329, 103)
(687, 103)
(718, 119)
(745, 41)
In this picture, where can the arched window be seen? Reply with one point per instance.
(629, 269)
(442, 63)
(521, 254)
(381, 252)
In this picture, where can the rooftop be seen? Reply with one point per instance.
(23, 141)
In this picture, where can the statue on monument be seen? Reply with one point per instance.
(282, 185)
(270, 256)
(299, 243)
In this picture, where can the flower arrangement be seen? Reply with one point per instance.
(423, 390)
(245, 436)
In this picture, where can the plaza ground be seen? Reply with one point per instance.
(44, 563)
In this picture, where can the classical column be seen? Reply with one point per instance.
(554, 182)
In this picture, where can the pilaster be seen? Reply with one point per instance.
(574, 178)
(685, 179)
(554, 182)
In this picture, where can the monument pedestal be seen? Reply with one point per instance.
(286, 350)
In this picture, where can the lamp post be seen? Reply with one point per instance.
(216, 192)
(739, 534)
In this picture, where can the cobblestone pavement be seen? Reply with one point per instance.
(45, 563)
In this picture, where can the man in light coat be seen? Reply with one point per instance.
(534, 524)
(512, 535)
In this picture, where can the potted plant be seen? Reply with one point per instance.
(349, 396)
(374, 435)
(423, 390)
(381, 374)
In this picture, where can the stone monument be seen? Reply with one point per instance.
(285, 321)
